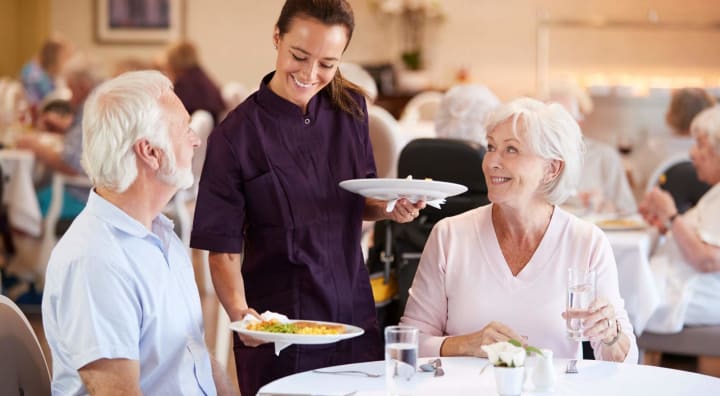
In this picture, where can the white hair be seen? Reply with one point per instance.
(463, 112)
(551, 133)
(707, 123)
(117, 114)
(82, 67)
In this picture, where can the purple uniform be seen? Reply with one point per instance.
(270, 186)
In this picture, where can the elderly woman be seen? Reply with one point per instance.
(603, 186)
(685, 105)
(687, 265)
(463, 112)
(498, 272)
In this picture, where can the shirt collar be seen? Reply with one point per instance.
(276, 104)
(117, 218)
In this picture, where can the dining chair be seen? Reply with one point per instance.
(678, 176)
(357, 75)
(60, 182)
(397, 247)
(422, 107)
(23, 369)
(233, 93)
(181, 207)
(691, 341)
(202, 123)
(386, 140)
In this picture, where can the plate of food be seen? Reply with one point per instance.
(621, 224)
(412, 189)
(296, 331)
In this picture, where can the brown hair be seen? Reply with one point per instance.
(686, 103)
(182, 56)
(50, 56)
(328, 12)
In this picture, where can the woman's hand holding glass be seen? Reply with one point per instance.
(405, 211)
(598, 322)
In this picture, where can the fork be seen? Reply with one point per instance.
(349, 372)
(571, 367)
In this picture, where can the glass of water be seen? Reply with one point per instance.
(581, 289)
(401, 351)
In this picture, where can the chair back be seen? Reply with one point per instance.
(450, 160)
(422, 107)
(234, 93)
(357, 75)
(678, 176)
(385, 136)
(23, 369)
(202, 123)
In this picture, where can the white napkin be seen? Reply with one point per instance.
(267, 315)
(435, 203)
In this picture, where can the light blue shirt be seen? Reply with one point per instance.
(114, 289)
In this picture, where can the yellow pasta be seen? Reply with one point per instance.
(308, 328)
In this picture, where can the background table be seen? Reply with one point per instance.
(637, 285)
(20, 196)
(462, 377)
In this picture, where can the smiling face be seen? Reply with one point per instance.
(513, 172)
(706, 160)
(308, 57)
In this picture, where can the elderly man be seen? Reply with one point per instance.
(121, 309)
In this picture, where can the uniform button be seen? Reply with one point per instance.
(307, 121)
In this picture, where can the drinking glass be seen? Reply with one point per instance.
(401, 351)
(581, 291)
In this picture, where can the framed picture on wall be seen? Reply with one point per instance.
(138, 21)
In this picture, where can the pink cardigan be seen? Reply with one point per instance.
(463, 283)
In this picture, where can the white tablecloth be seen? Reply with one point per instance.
(637, 287)
(19, 195)
(462, 377)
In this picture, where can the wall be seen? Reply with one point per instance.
(495, 40)
(24, 25)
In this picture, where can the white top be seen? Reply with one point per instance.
(462, 377)
(603, 171)
(463, 282)
(115, 290)
(688, 296)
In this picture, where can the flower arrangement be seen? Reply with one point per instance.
(509, 353)
(414, 16)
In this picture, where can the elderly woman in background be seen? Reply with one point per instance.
(603, 186)
(686, 103)
(498, 272)
(38, 75)
(192, 85)
(463, 112)
(687, 265)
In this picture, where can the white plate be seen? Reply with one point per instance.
(307, 339)
(412, 189)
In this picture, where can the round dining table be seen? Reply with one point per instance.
(467, 376)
